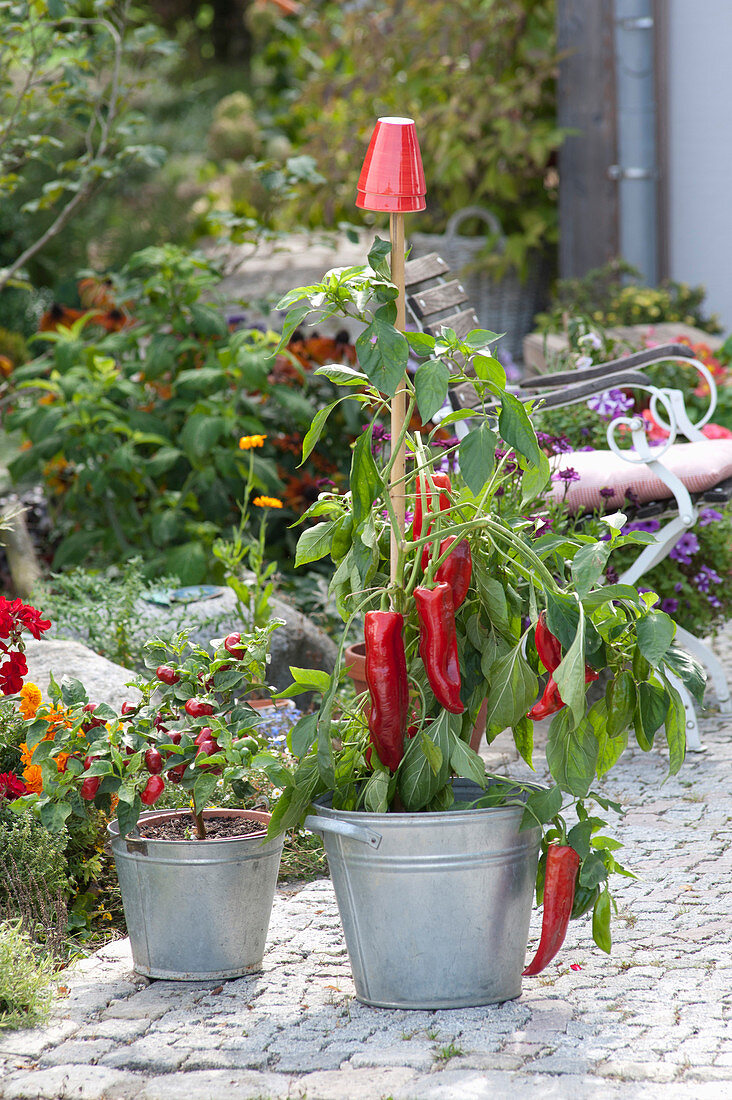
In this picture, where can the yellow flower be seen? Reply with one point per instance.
(267, 502)
(248, 441)
(30, 700)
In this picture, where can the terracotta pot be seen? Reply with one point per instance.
(356, 666)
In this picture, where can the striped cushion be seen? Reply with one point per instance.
(700, 466)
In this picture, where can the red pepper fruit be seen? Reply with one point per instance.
(560, 878)
(232, 646)
(128, 708)
(196, 708)
(386, 676)
(548, 646)
(89, 787)
(438, 644)
(167, 675)
(176, 774)
(153, 789)
(423, 503)
(457, 569)
(550, 702)
(153, 761)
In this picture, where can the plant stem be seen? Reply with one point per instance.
(200, 827)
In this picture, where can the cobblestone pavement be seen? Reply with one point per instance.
(652, 1020)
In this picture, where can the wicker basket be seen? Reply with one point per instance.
(505, 305)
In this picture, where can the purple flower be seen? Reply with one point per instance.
(606, 492)
(705, 578)
(611, 575)
(678, 586)
(709, 515)
(610, 404)
(650, 525)
(687, 545)
(631, 496)
(714, 601)
(587, 447)
(566, 475)
(561, 445)
(670, 605)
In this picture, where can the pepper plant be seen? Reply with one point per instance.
(483, 611)
(191, 728)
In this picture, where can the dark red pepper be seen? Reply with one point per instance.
(167, 675)
(423, 506)
(196, 708)
(548, 646)
(153, 761)
(550, 702)
(232, 646)
(457, 569)
(89, 787)
(560, 878)
(438, 644)
(152, 790)
(386, 676)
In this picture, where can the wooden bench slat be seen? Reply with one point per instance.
(425, 303)
(462, 323)
(430, 266)
(612, 367)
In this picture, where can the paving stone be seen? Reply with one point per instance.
(359, 1084)
(32, 1042)
(218, 1085)
(78, 1081)
(151, 1054)
(85, 1052)
(414, 1055)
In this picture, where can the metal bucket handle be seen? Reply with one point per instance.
(344, 828)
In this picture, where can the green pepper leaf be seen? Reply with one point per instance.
(572, 753)
(588, 565)
(569, 676)
(465, 762)
(541, 807)
(430, 384)
(477, 455)
(315, 542)
(366, 483)
(513, 687)
(517, 430)
(418, 781)
(655, 633)
(675, 730)
(383, 353)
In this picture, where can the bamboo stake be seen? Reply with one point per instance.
(399, 401)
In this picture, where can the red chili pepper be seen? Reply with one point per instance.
(548, 646)
(89, 787)
(232, 646)
(153, 789)
(153, 761)
(167, 675)
(550, 702)
(560, 878)
(549, 649)
(457, 569)
(386, 676)
(438, 644)
(196, 708)
(423, 506)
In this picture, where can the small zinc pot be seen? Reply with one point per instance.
(197, 909)
(435, 907)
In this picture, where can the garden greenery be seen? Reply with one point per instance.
(136, 432)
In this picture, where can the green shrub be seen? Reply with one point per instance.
(613, 295)
(34, 886)
(26, 992)
(137, 432)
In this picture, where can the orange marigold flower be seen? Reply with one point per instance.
(61, 761)
(267, 502)
(248, 441)
(32, 779)
(30, 699)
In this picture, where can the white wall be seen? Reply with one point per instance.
(700, 148)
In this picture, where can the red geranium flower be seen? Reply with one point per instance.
(11, 786)
(12, 672)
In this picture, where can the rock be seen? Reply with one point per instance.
(104, 680)
(22, 560)
(299, 642)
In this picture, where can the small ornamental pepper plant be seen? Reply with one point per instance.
(481, 611)
(191, 729)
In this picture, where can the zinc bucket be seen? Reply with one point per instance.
(197, 909)
(435, 907)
